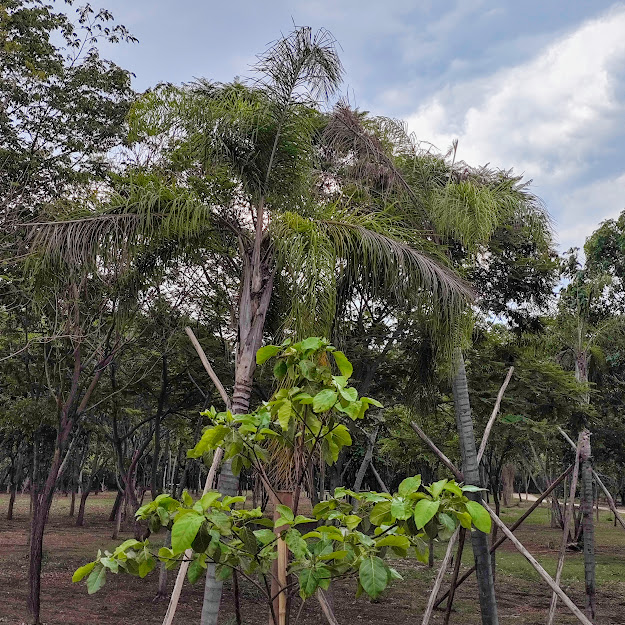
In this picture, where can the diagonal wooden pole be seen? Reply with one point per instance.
(454, 577)
(568, 515)
(188, 554)
(439, 578)
(541, 571)
(493, 416)
(444, 459)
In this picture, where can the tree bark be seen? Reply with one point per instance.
(256, 291)
(470, 469)
(365, 461)
(588, 526)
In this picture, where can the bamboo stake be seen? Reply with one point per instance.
(530, 558)
(326, 607)
(513, 527)
(568, 514)
(207, 366)
(188, 554)
(606, 492)
(444, 459)
(378, 478)
(454, 578)
(439, 578)
(493, 416)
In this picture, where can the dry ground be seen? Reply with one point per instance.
(523, 597)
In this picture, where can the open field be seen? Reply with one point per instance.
(523, 597)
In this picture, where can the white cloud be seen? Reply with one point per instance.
(584, 208)
(546, 117)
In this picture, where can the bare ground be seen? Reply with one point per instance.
(523, 598)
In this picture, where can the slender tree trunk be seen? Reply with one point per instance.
(366, 461)
(588, 527)
(116, 505)
(256, 290)
(470, 468)
(16, 477)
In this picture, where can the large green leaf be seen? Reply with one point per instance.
(400, 508)
(424, 511)
(312, 342)
(82, 571)
(184, 531)
(373, 576)
(345, 367)
(409, 485)
(267, 352)
(284, 414)
(324, 400)
(381, 513)
(479, 515)
(96, 579)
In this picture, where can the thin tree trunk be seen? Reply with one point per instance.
(454, 578)
(470, 469)
(116, 505)
(365, 461)
(256, 290)
(588, 525)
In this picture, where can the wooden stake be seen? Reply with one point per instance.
(207, 366)
(530, 558)
(454, 578)
(444, 459)
(568, 514)
(493, 416)
(188, 554)
(439, 578)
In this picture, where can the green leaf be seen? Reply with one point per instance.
(284, 414)
(345, 367)
(349, 394)
(409, 485)
(311, 579)
(96, 579)
(394, 541)
(447, 521)
(324, 400)
(285, 512)
(480, 517)
(469, 488)
(308, 369)
(424, 511)
(341, 435)
(184, 531)
(381, 513)
(195, 571)
(82, 571)
(352, 521)
(312, 342)
(452, 487)
(267, 352)
(437, 488)
(296, 543)
(373, 576)
(400, 508)
(279, 369)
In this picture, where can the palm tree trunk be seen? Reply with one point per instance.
(253, 307)
(470, 468)
(588, 527)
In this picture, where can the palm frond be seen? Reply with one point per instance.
(366, 248)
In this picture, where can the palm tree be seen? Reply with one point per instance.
(243, 172)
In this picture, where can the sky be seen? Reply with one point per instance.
(536, 86)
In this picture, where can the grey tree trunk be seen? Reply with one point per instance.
(365, 461)
(588, 527)
(256, 290)
(470, 469)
